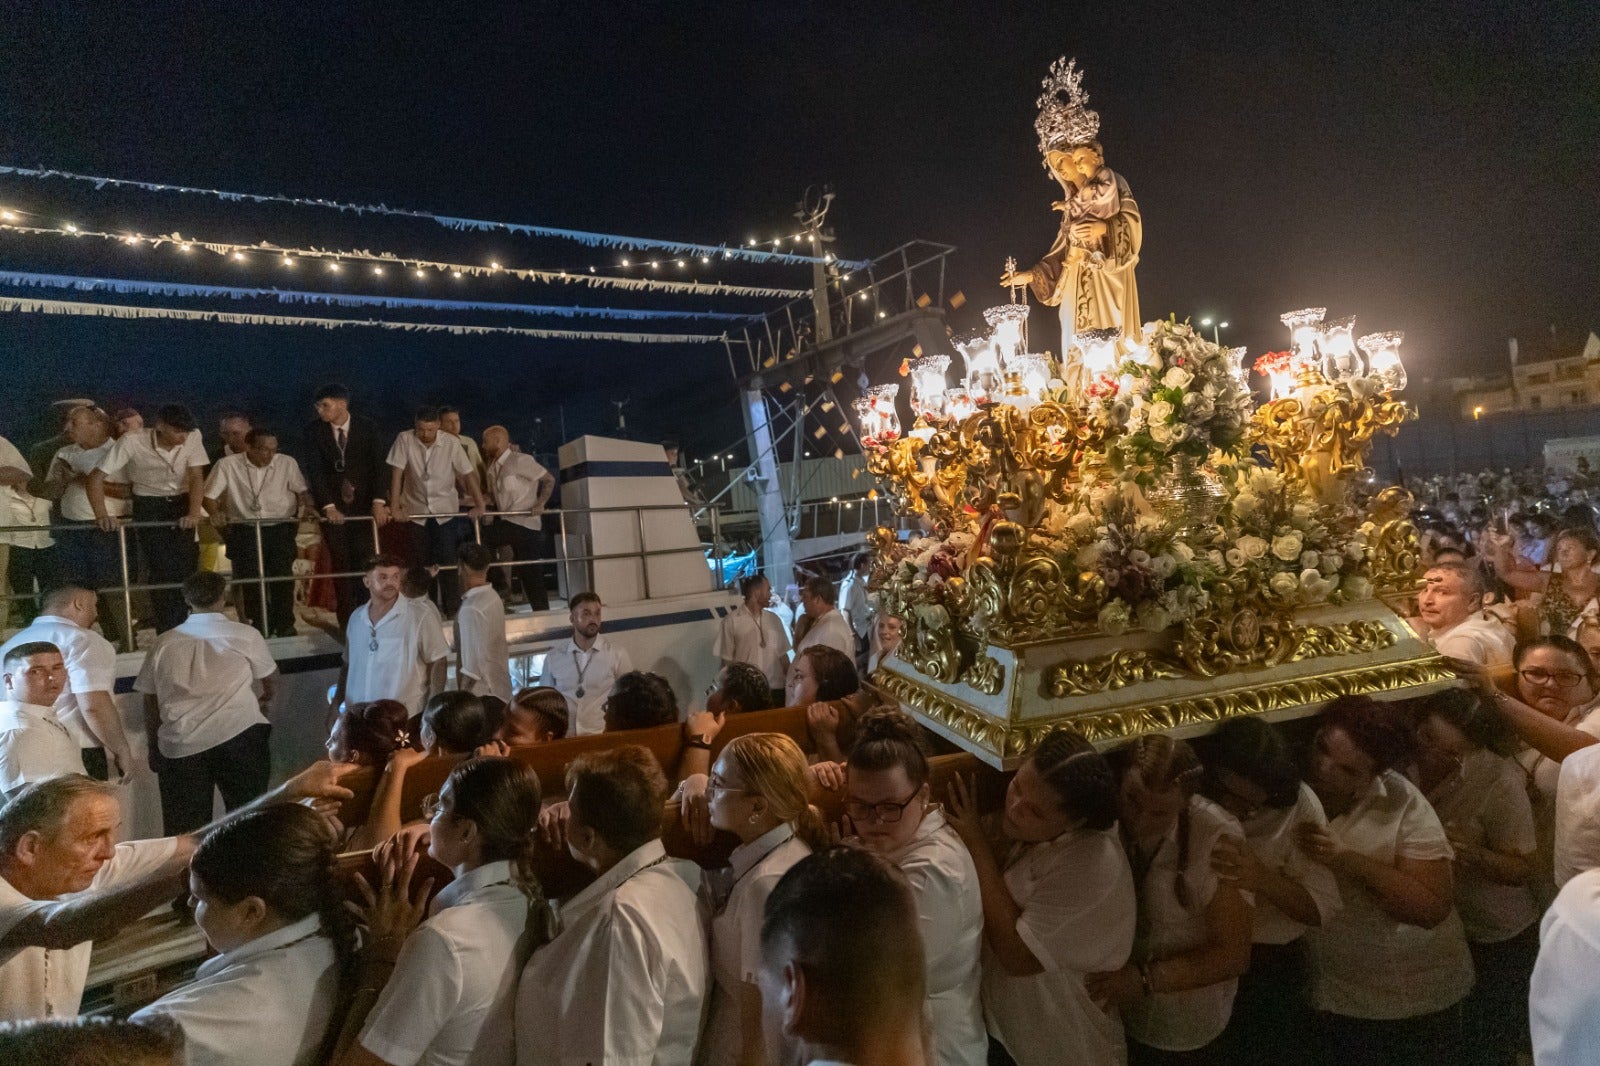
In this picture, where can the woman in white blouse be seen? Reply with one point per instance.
(1390, 969)
(1193, 937)
(757, 791)
(445, 986)
(887, 801)
(1251, 775)
(267, 898)
(1060, 907)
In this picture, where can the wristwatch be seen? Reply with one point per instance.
(701, 741)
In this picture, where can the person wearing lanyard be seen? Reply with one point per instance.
(260, 488)
(392, 649)
(86, 554)
(518, 484)
(625, 978)
(752, 634)
(164, 467)
(585, 668)
(428, 475)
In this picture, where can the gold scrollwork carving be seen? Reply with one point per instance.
(932, 652)
(986, 675)
(1107, 673)
(1346, 638)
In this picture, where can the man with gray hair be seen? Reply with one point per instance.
(1450, 610)
(34, 745)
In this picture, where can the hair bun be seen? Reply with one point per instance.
(888, 723)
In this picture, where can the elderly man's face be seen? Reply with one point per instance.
(68, 860)
(1444, 600)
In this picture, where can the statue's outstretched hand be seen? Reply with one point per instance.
(1016, 278)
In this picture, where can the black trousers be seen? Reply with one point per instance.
(1496, 1010)
(29, 571)
(170, 552)
(1425, 1040)
(277, 545)
(87, 556)
(1271, 1014)
(432, 542)
(349, 546)
(526, 546)
(238, 768)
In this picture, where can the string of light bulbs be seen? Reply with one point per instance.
(598, 240)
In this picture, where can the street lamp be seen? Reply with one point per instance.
(1216, 330)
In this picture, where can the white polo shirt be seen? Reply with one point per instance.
(514, 479)
(1545, 774)
(853, 602)
(757, 638)
(731, 906)
(569, 669)
(625, 978)
(203, 674)
(1577, 827)
(75, 498)
(481, 641)
(1366, 963)
(831, 629)
(1078, 913)
(1479, 638)
(34, 745)
(270, 1000)
(389, 659)
(1273, 836)
(151, 469)
(1564, 997)
(251, 491)
(449, 1000)
(48, 983)
(91, 666)
(429, 484)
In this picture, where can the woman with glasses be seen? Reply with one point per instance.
(1058, 903)
(1193, 936)
(1250, 774)
(887, 803)
(1390, 969)
(1480, 796)
(757, 791)
(445, 986)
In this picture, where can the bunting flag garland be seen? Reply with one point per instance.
(593, 240)
(97, 310)
(127, 286)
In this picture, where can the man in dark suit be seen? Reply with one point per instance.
(347, 472)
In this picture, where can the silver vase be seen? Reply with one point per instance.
(1188, 495)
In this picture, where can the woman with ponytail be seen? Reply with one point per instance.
(1061, 906)
(1193, 938)
(445, 987)
(757, 791)
(267, 899)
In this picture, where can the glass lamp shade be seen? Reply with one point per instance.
(880, 422)
(927, 385)
(1009, 323)
(983, 369)
(865, 419)
(1340, 362)
(1028, 372)
(1303, 333)
(1383, 358)
(1235, 357)
(1099, 350)
(958, 404)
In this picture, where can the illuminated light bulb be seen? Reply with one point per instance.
(883, 314)
(1303, 333)
(419, 273)
(8, 216)
(377, 270)
(1339, 359)
(1099, 350)
(455, 273)
(624, 262)
(494, 266)
(958, 404)
(928, 385)
(70, 228)
(655, 265)
(682, 263)
(239, 256)
(705, 259)
(334, 267)
(983, 368)
(186, 247)
(288, 260)
(591, 270)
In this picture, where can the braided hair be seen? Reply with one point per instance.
(1079, 776)
(501, 798)
(1164, 763)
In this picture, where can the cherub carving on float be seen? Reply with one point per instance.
(1089, 271)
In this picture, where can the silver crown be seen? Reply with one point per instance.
(1064, 123)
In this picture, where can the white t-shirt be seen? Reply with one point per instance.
(1078, 916)
(1577, 828)
(271, 491)
(1272, 834)
(408, 641)
(757, 638)
(34, 745)
(1479, 638)
(91, 666)
(1183, 1021)
(832, 630)
(569, 670)
(481, 641)
(1365, 963)
(1546, 775)
(429, 483)
(1564, 997)
(269, 1001)
(450, 998)
(514, 479)
(48, 983)
(731, 904)
(625, 979)
(151, 469)
(203, 674)
(75, 498)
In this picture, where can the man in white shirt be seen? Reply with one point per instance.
(517, 482)
(483, 663)
(853, 603)
(22, 551)
(752, 634)
(86, 707)
(428, 474)
(34, 745)
(823, 622)
(85, 554)
(450, 422)
(1577, 833)
(584, 668)
(841, 974)
(233, 427)
(1564, 997)
(1450, 607)
(164, 466)
(205, 723)
(260, 488)
(392, 649)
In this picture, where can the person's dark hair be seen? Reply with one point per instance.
(1381, 730)
(426, 413)
(640, 700)
(331, 392)
(887, 737)
(1164, 763)
(457, 721)
(26, 650)
(475, 557)
(550, 705)
(88, 1041)
(374, 729)
(823, 589)
(42, 806)
(1584, 534)
(203, 589)
(618, 793)
(1254, 750)
(582, 598)
(746, 685)
(415, 581)
(1472, 578)
(835, 672)
(747, 583)
(1081, 778)
(846, 917)
(176, 416)
(1473, 713)
(258, 432)
(448, 409)
(501, 797)
(383, 560)
(59, 598)
(1559, 642)
(233, 415)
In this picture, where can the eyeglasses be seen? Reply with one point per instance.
(1558, 678)
(717, 784)
(887, 813)
(432, 807)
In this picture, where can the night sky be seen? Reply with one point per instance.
(1430, 168)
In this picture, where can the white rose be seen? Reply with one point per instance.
(1161, 411)
(1183, 551)
(1284, 585)
(1150, 358)
(1182, 432)
(1308, 560)
(1235, 558)
(1139, 557)
(1252, 547)
(1164, 566)
(1287, 547)
(1214, 557)
(1160, 432)
(1176, 378)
